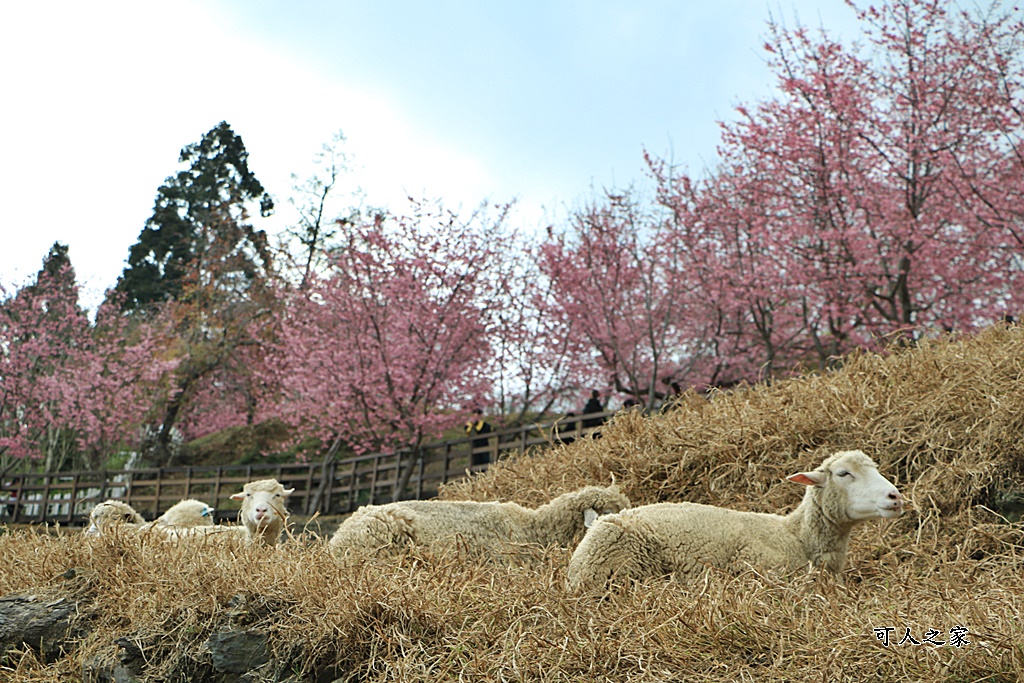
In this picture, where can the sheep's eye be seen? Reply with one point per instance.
(842, 473)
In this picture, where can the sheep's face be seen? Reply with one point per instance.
(603, 501)
(851, 479)
(263, 503)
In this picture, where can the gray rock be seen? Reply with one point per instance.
(47, 626)
(238, 651)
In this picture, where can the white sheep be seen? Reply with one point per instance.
(264, 512)
(111, 514)
(685, 538)
(183, 514)
(186, 514)
(482, 526)
(217, 533)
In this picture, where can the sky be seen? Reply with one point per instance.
(541, 102)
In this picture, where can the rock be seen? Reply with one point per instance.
(100, 670)
(235, 651)
(46, 625)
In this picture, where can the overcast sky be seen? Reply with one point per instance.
(460, 100)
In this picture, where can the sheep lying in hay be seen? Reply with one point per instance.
(186, 514)
(111, 514)
(193, 519)
(264, 512)
(685, 538)
(483, 527)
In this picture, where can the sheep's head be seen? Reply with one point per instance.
(850, 485)
(595, 501)
(112, 513)
(263, 504)
(188, 513)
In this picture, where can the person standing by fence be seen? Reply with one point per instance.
(593, 406)
(478, 427)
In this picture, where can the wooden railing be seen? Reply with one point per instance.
(336, 487)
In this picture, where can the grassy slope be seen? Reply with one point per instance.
(945, 421)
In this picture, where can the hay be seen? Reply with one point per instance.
(943, 420)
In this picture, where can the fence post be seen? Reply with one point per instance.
(156, 498)
(19, 502)
(309, 489)
(352, 487)
(216, 485)
(45, 502)
(373, 479)
(74, 498)
(325, 504)
(419, 476)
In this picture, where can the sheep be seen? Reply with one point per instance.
(263, 510)
(186, 520)
(183, 514)
(483, 526)
(217, 533)
(685, 538)
(186, 514)
(111, 514)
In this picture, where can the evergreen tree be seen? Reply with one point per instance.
(57, 264)
(198, 233)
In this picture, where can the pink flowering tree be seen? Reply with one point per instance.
(729, 258)
(389, 347)
(636, 324)
(534, 364)
(71, 390)
(876, 195)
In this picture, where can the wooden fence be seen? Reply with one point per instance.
(336, 487)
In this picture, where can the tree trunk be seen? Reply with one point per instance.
(403, 481)
(314, 505)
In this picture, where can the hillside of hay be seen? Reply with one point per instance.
(944, 420)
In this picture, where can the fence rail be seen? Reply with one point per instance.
(336, 487)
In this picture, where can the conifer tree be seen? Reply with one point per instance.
(198, 233)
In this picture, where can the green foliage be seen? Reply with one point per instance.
(242, 445)
(197, 233)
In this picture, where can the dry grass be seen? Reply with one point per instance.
(945, 421)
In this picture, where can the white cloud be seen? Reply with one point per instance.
(102, 96)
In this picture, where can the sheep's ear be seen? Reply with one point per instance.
(288, 492)
(589, 517)
(238, 496)
(807, 478)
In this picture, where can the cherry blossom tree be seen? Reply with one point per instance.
(389, 347)
(874, 195)
(620, 285)
(534, 367)
(70, 388)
